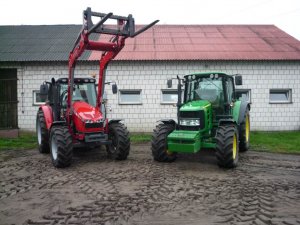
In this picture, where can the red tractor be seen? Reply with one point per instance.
(74, 113)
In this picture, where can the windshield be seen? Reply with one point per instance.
(209, 89)
(82, 92)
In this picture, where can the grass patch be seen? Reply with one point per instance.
(137, 138)
(26, 140)
(281, 142)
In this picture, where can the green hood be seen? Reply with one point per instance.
(195, 105)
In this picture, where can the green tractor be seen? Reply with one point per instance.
(210, 116)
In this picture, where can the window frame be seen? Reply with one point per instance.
(244, 90)
(168, 102)
(128, 102)
(34, 102)
(280, 90)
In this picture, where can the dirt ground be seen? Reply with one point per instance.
(264, 189)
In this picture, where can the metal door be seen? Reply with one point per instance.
(8, 99)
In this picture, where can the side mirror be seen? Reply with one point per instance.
(238, 80)
(114, 88)
(43, 92)
(169, 83)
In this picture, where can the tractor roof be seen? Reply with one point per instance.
(77, 80)
(205, 74)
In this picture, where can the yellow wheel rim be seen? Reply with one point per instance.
(247, 128)
(169, 153)
(234, 146)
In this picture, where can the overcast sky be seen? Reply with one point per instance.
(285, 14)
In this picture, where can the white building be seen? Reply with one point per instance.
(267, 57)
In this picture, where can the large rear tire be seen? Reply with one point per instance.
(227, 146)
(42, 133)
(159, 144)
(61, 146)
(120, 147)
(245, 133)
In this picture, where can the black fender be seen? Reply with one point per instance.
(57, 123)
(226, 121)
(114, 121)
(167, 121)
(243, 109)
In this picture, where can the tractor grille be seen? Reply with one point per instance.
(192, 128)
(193, 115)
(94, 125)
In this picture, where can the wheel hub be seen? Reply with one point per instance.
(234, 146)
(54, 148)
(247, 128)
(39, 133)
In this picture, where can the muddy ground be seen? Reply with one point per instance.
(264, 189)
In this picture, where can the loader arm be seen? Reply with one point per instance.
(124, 28)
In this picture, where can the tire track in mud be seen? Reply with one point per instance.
(141, 191)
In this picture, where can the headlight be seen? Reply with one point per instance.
(189, 122)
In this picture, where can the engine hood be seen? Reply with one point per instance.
(195, 105)
(86, 112)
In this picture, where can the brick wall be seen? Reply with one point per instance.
(151, 78)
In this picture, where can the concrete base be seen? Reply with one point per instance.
(10, 133)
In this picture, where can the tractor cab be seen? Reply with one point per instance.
(56, 92)
(215, 88)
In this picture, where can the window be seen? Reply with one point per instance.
(229, 90)
(243, 94)
(280, 96)
(37, 98)
(130, 97)
(169, 96)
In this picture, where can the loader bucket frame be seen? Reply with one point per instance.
(124, 28)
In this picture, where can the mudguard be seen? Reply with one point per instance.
(47, 110)
(167, 121)
(226, 121)
(243, 107)
(114, 121)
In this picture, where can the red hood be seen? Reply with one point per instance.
(86, 112)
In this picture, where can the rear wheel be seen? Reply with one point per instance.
(159, 144)
(42, 133)
(120, 147)
(61, 146)
(245, 132)
(227, 147)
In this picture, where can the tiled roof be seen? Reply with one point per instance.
(38, 43)
(162, 42)
(211, 42)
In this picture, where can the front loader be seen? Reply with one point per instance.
(209, 117)
(74, 113)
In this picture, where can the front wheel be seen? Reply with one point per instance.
(159, 144)
(61, 146)
(120, 146)
(227, 146)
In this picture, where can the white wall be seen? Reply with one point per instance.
(151, 78)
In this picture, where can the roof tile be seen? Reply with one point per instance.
(161, 42)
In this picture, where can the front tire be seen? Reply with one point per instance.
(120, 147)
(159, 144)
(61, 146)
(245, 133)
(42, 133)
(227, 146)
